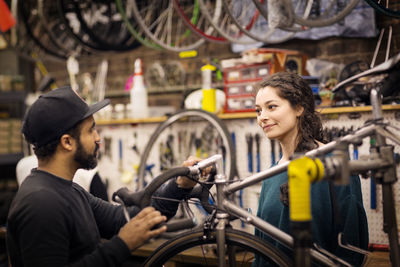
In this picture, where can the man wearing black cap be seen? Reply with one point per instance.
(55, 222)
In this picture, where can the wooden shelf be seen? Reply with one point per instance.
(248, 115)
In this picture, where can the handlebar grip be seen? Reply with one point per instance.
(129, 197)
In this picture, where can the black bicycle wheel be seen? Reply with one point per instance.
(193, 248)
(197, 130)
(393, 10)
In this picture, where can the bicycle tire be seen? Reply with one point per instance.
(66, 12)
(384, 10)
(164, 27)
(233, 238)
(36, 32)
(51, 22)
(322, 22)
(112, 35)
(230, 159)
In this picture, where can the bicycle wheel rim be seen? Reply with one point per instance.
(54, 50)
(230, 162)
(233, 238)
(384, 10)
(207, 34)
(321, 22)
(233, 37)
(247, 30)
(165, 41)
(131, 28)
(56, 29)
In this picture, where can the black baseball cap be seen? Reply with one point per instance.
(54, 113)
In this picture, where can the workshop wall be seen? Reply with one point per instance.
(334, 49)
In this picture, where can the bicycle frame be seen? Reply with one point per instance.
(337, 167)
(382, 162)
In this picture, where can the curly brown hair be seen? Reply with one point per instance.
(296, 90)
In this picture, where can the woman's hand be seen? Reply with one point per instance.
(184, 182)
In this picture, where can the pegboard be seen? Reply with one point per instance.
(113, 166)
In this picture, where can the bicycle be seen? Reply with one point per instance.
(336, 167)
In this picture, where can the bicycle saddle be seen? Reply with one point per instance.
(389, 67)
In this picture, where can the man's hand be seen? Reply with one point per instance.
(138, 230)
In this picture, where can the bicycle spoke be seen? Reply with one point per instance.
(161, 23)
(223, 23)
(198, 24)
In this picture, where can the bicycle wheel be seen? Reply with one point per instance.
(101, 21)
(200, 25)
(223, 23)
(28, 11)
(386, 8)
(241, 250)
(131, 24)
(247, 18)
(51, 21)
(161, 23)
(200, 133)
(324, 13)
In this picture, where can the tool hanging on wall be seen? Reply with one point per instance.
(134, 146)
(73, 70)
(257, 138)
(107, 147)
(249, 141)
(100, 82)
(221, 149)
(197, 144)
(272, 144)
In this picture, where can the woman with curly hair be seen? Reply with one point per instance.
(286, 112)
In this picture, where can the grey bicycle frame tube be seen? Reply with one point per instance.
(276, 233)
(327, 148)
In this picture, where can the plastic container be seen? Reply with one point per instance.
(138, 94)
(209, 95)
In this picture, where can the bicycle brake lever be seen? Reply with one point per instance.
(116, 198)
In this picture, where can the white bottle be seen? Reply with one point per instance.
(138, 93)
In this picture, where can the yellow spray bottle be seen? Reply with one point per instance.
(209, 95)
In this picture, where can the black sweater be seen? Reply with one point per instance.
(55, 222)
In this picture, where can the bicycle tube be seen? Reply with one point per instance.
(247, 246)
(230, 164)
(383, 10)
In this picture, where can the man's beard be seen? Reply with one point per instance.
(85, 160)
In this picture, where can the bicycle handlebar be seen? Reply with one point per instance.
(142, 198)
